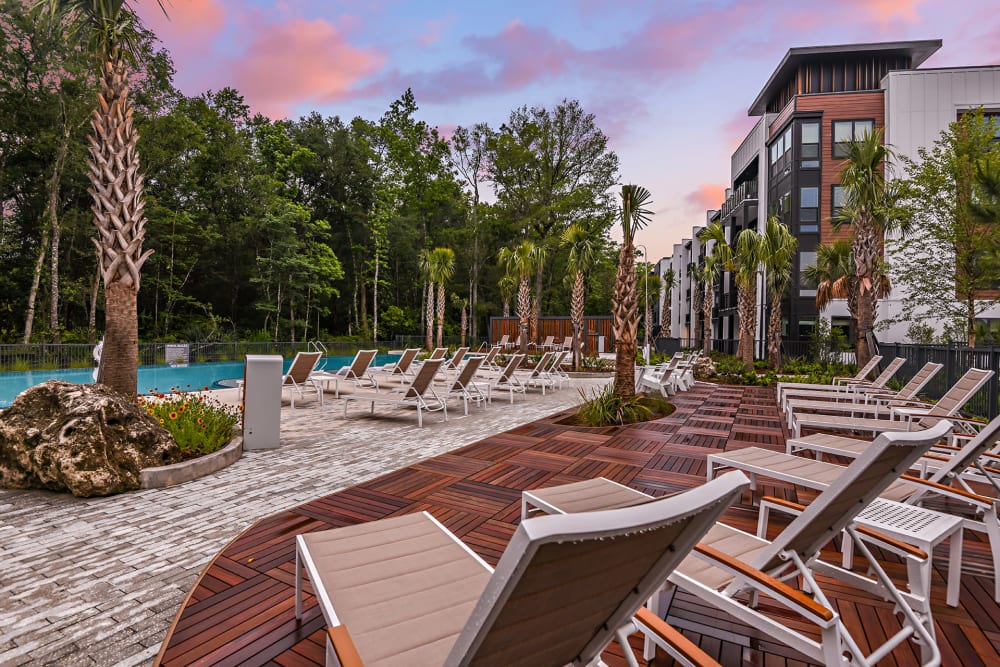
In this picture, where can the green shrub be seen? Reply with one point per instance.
(606, 408)
(200, 425)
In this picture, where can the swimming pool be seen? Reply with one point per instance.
(157, 378)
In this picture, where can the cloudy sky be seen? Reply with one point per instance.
(669, 81)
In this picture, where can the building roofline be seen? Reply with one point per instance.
(918, 50)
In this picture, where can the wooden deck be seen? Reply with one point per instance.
(241, 611)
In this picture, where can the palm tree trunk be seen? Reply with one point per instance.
(465, 324)
(576, 316)
(865, 256)
(440, 314)
(774, 334)
(524, 311)
(95, 288)
(746, 300)
(625, 307)
(121, 337)
(696, 308)
(707, 303)
(665, 315)
(52, 208)
(429, 316)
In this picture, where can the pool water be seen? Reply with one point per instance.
(191, 377)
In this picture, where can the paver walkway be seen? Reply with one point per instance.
(97, 581)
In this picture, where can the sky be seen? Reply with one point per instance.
(669, 82)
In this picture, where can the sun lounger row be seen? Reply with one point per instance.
(669, 378)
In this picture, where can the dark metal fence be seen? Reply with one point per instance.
(17, 357)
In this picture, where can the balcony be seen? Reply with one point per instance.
(744, 191)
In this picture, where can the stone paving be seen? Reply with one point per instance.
(98, 581)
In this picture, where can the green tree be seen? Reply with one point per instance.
(110, 29)
(777, 250)
(871, 207)
(742, 260)
(462, 305)
(427, 271)
(647, 283)
(582, 254)
(946, 262)
(704, 275)
(470, 159)
(441, 265)
(669, 283)
(522, 261)
(634, 215)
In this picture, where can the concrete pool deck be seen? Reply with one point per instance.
(97, 581)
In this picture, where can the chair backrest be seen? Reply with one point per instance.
(469, 371)
(456, 359)
(549, 340)
(889, 371)
(492, 354)
(362, 361)
(438, 353)
(508, 370)
(889, 456)
(542, 365)
(503, 340)
(961, 392)
(403, 365)
(422, 381)
(566, 583)
(984, 441)
(557, 360)
(918, 381)
(303, 364)
(868, 368)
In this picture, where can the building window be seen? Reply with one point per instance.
(806, 258)
(808, 209)
(809, 152)
(836, 200)
(845, 131)
(781, 151)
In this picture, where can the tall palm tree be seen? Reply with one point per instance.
(669, 283)
(647, 282)
(111, 30)
(441, 264)
(463, 305)
(832, 274)
(777, 252)
(742, 260)
(870, 206)
(697, 294)
(425, 270)
(704, 275)
(634, 216)
(582, 254)
(522, 260)
(508, 287)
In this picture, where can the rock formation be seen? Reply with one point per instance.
(85, 439)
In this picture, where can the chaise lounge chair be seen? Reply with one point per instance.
(358, 372)
(729, 561)
(402, 366)
(901, 418)
(406, 591)
(944, 470)
(417, 393)
(464, 385)
(301, 375)
(506, 378)
(537, 376)
(850, 391)
(863, 373)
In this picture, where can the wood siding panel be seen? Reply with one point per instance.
(840, 106)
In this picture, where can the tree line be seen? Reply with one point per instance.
(287, 229)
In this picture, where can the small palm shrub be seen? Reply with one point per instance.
(606, 408)
(200, 425)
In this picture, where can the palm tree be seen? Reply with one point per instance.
(647, 282)
(870, 206)
(742, 261)
(441, 264)
(634, 216)
(463, 306)
(522, 261)
(582, 253)
(831, 275)
(425, 270)
(508, 287)
(777, 252)
(704, 276)
(111, 31)
(697, 293)
(669, 283)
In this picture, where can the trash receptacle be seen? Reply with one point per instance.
(600, 345)
(262, 401)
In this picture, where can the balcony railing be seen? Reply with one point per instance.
(744, 191)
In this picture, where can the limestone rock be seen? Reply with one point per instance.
(85, 439)
(704, 367)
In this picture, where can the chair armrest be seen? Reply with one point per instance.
(650, 623)
(343, 646)
(951, 492)
(890, 543)
(781, 591)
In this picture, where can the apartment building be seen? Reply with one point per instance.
(817, 99)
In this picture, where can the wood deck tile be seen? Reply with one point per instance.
(241, 610)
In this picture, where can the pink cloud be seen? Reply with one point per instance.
(433, 30)
(736, 128)
(296, 61)
(888, 11)
(525, 54)
(707, 196)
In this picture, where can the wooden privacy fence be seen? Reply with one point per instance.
(560, 327)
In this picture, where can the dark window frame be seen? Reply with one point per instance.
(834, 144)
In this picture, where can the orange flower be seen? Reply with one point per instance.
(183, 407)
(204, 426)
(161, 420)
(173, 415)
